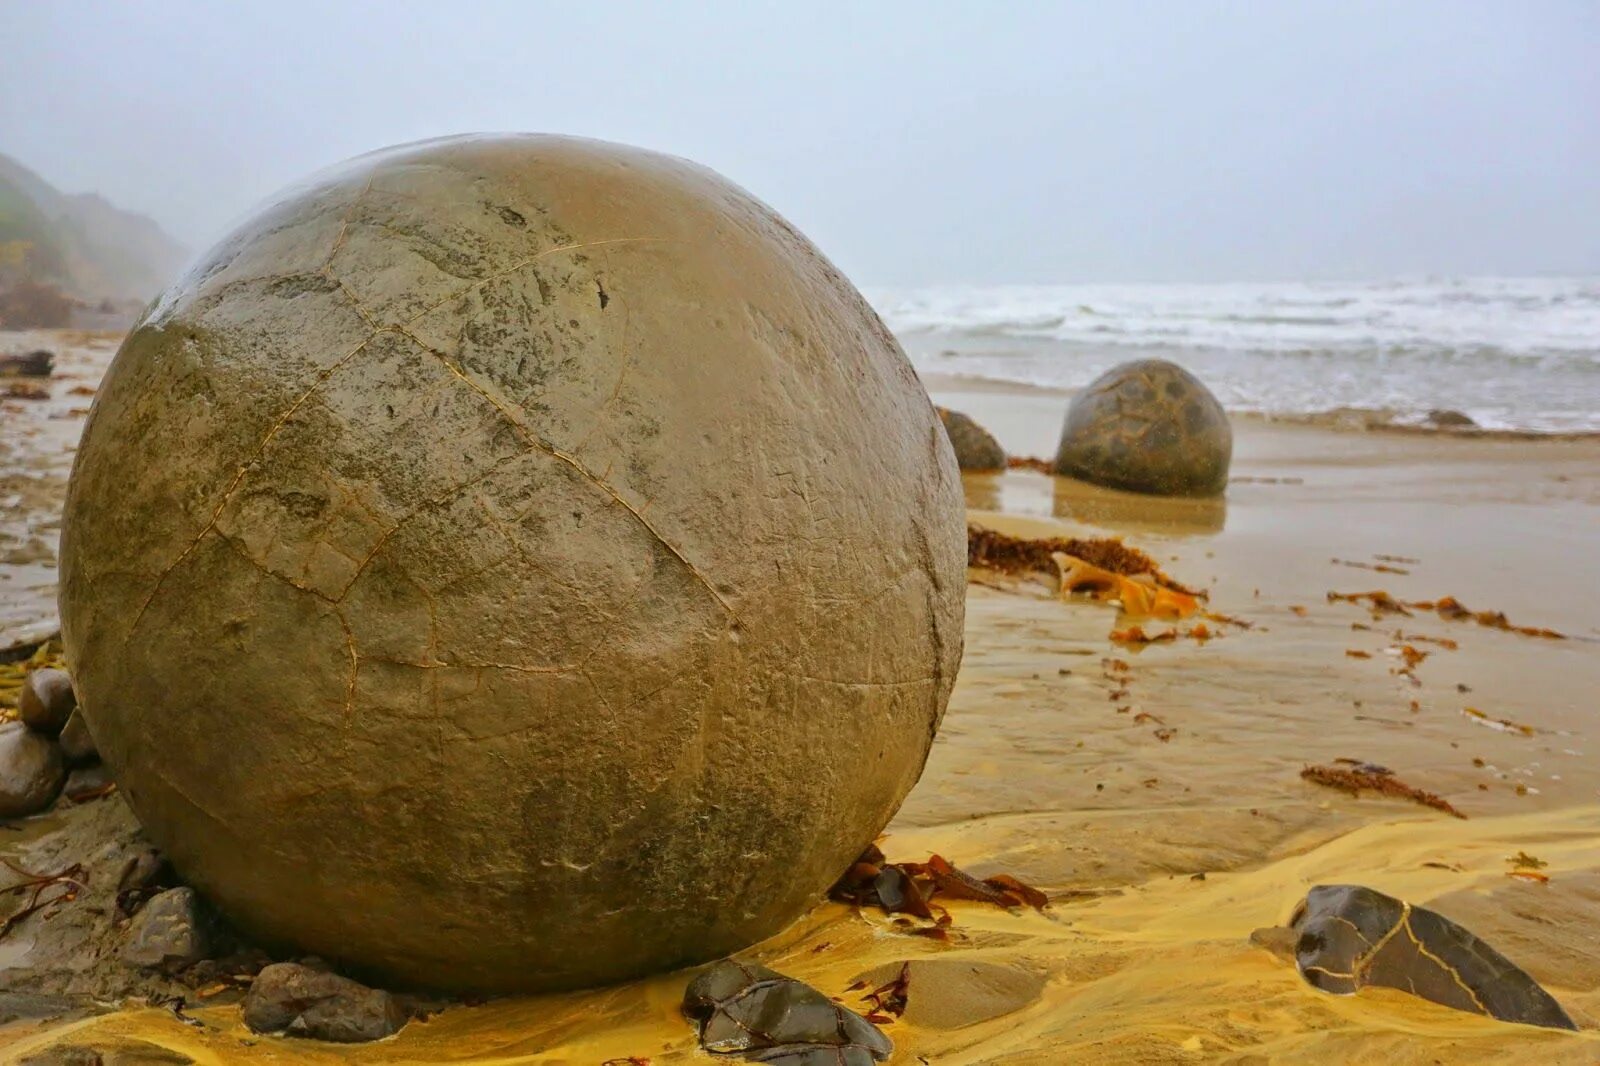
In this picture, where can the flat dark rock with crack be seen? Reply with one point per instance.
(1348, 937)
(762, 1016)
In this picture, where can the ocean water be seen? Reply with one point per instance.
(1512, 353)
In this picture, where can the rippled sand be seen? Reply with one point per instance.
(1037, 773)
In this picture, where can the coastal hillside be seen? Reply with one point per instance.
(80, 246)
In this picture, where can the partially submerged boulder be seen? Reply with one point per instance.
(298, 1000)
(747, 1010)
(975, 447)
(1348, 936)
(1147, 426)
(505, 593)
(31, 771)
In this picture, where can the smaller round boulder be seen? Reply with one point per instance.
(975, 447)
(31, 772)
(1147, 426)
(46, 701)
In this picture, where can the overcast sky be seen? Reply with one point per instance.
(915, 142)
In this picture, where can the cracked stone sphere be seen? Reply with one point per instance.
(513, 562)
(1148, 426)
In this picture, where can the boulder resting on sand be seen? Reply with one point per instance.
(975, 447)
(505, 594)
(1148, 426)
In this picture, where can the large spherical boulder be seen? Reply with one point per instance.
(513, 562)
(1147, 426)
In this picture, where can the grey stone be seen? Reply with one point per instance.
(87, 783)
(173, 930)
(77, 746)
(975, 447)
(31, 771)
(1349, 936)
(759, 1014)
(46, 701)
(1147, 426)
(299, 1001)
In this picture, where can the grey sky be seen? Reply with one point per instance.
(915, 142)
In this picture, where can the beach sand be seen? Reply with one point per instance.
(1048, 768)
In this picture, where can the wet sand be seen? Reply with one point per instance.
(1045, 768)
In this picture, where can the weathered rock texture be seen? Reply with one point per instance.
(1348, 937)
(539, 567)
(299, 1001)
(1147, 426)
(975, 447)
(749, 1011)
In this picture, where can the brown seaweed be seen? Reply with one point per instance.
(1448, 607)
(1375, 779)
(994, 550)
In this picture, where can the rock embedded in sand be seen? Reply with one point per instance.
(975, 448)
(87, 783)
(759, 1014)
(1147, 426)
(297, 1000)
(173, 930)
(120, 1051)
(77, 746)
(46, 701)
(513, 512)
(31, 771)
(1349, 936)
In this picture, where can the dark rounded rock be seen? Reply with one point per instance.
(1448, 419)
(31, 772)
(975, 447)
(1148, 426)
(172, 931)
(506, 559)
(88, 783)
(299, 1001)
(77, 746)
(46, 701)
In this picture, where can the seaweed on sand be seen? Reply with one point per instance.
(994, 550)
(1353, 779)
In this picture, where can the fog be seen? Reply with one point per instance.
(915, 142)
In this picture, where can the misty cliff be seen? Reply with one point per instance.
(82, 243)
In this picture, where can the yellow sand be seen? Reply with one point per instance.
(1044, 769)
